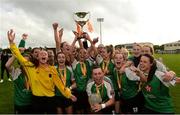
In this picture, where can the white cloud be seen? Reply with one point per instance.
(125, 21)
(158, 20)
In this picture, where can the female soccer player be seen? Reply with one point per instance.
(42, 78)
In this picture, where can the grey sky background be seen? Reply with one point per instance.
(125, 21)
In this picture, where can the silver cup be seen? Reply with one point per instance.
(81, 18)
(95, 98)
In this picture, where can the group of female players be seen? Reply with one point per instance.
(56, 82)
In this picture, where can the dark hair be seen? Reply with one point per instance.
(34, 60)
(66, 61)
(153, 67)
(95, 66)
(109, 49)
(34, 49)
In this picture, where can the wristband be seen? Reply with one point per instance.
(103, 106)
(70, 88)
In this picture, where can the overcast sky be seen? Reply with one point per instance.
(125, 21)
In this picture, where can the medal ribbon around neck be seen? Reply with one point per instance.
(83, 68)
(98, 88)
(105, 67)
(62, 73)
(119, 79)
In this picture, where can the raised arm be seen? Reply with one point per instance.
(75, 39)
(15, 51)
(57, 36)
(9, 63)
(170, 76)
(11, 36)
(21, 48)
(87, 37)
(11, 60)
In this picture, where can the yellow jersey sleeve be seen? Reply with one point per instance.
(15, 51)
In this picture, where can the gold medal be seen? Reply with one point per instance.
(98, 88)
(105, 67)
(62, 73)
(83, 68)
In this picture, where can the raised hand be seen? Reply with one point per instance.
(61, 32)
(75, 33)
(11, 36)
(55, 26)
(24, 36)
(57, 36)
(95, 40)
(86, 36)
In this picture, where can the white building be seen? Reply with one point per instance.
(173, 47)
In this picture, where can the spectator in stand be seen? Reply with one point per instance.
(4, 59)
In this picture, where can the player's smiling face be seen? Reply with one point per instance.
(145, 64)
(97, 75)
(118, 60)
(61, 59)
(43, 57)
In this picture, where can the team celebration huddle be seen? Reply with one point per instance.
(84, 79)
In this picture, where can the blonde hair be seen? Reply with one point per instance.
(150, 47)
(124, 50)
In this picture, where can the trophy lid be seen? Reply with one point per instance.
(81, 14)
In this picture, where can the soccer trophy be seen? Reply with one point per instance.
(81, 18)
(94, 98)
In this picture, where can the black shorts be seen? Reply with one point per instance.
(25, 109)
(133, 105)
(43, 104)
(63, 102)
(117, 95)
(82, 100)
